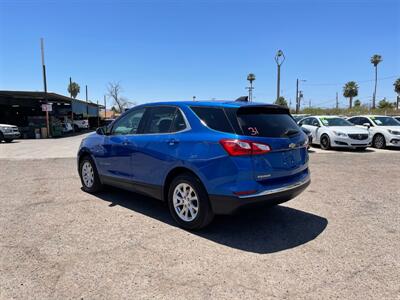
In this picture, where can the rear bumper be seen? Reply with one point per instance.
(226, 205)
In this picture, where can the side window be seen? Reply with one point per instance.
(213, 117)
(364, 120)
(129, 123)
(355, 120)
(314, 122)
(178, 123)
(159, 119)
(304, 122)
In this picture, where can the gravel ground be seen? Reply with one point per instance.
(339, 239)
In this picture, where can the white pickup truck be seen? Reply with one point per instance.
(8, 133)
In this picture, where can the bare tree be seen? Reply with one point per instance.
(114, 91)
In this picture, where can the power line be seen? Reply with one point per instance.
(360, 81)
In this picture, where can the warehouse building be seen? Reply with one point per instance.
(27, 111)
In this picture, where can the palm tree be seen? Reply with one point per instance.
(74, 89)
(375, 60)
(350, 90)
(397, 90)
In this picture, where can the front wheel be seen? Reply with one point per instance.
(89, 176)
(8, 140)
(325, 142)
(188, 202)
(379, 141)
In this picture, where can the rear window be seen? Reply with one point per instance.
(214, 117)
(250, 121)
(266, 123)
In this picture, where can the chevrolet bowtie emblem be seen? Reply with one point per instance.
(292, 145)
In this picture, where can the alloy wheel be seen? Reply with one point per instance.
(87, 174)
(186, 202)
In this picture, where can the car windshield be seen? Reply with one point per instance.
(335, 122)
(385, 121)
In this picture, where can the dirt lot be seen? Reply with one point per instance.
(339, 239)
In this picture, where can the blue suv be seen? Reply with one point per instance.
(202, 158)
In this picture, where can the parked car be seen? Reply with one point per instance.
(385, 131)
(80, 124)
(309, 135)
(333, 131)
(67, 127)
(202, 158)
(397, 118)
(299, 117)
(8, 133)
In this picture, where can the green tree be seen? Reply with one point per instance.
(357, 103)
(74, 89)
(384, 104)
(350, 90)
(281, 101)
(375, 60)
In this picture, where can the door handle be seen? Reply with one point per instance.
(126, 143)
(172, 142)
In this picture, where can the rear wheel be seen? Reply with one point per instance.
(1, 136)
(325, 142)
(89, 176)
(76, 128)
(379, 141)
(8, 140)
(188, 202)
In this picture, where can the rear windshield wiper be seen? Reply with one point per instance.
(290, 132)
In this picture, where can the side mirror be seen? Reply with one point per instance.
(100, 131)
(367, 125)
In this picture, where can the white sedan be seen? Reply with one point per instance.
(385, 131)
(333, 131)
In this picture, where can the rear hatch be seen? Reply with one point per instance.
(275, 127)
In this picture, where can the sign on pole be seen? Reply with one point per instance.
(47, 107)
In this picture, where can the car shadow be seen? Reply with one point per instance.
(262, 230)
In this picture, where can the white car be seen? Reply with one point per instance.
(8, 133)
(80, 124)
(333, 131)
(385, 131)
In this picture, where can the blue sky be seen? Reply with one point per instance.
(173, 50)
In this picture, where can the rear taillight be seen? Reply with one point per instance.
(241, 147)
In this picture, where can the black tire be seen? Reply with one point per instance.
(325, 142)
(1, 136)
(379, 141)
(76, 128)
(8, 140)
(204, 215)
(361, 148)
(96, 186)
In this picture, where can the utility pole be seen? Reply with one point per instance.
(45, 87)
(309, 103)
(105, 107)
(87, 103)
(337, 101)
(98, 114)
(72, 106)
(398, 103)
(279, 59)
(251, 77)
(297, 96)
(194, 98)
